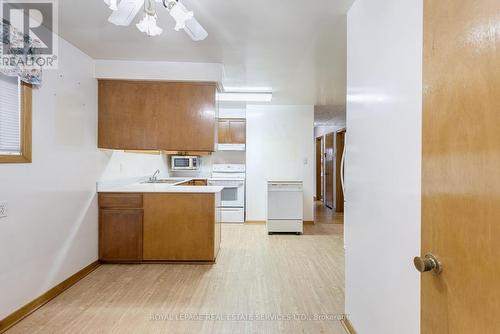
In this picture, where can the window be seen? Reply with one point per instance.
(15, 120)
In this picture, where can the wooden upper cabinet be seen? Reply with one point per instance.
(237, 130)
(149, 115)
(223, 132)
(232, 131)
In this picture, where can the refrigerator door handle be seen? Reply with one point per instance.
(342, 171)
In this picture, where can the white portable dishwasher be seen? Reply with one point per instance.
(285, 207)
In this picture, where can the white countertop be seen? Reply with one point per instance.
(139, 187)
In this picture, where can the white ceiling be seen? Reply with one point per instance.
(297, 47)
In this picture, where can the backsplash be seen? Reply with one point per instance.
(124, 165)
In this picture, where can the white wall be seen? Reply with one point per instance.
(280, 139)
(51, 230)
(383, 165)
(158, 70)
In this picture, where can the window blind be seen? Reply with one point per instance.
(10, 115)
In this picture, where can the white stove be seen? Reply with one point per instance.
(232, 178)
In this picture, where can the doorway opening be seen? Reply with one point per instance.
(329, 196)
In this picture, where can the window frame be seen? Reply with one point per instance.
(26, 119)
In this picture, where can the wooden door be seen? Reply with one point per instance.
(237, 131)
(329, 169)
(223, 132)
(461, 163)
(319, 162)
(339, 152)
(120, 234)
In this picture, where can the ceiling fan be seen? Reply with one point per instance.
(124, 12)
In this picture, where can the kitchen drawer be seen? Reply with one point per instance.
(233, 215)
(121, 200)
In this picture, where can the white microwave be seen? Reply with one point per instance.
(182, 162)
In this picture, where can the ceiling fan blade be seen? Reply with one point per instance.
(194, 29)
(127, 11)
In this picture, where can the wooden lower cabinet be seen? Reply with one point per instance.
(195, 182)
(180, 227)
(156, 227)
(201, 182)
(120, 234)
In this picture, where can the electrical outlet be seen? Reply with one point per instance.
(3, 209)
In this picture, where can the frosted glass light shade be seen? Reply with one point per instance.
(148, 25)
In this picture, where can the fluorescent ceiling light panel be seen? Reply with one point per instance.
(245, 97)
(235, 89)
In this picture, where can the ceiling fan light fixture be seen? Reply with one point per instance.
(125, 11)
(148, 25)
(113, 4)
(195, 30)
(180, 14)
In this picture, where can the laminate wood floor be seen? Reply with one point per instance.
(256, 274)
(324, 215)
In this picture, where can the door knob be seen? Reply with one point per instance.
(428, 263)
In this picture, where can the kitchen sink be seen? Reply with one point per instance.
(162, 181)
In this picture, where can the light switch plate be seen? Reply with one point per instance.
(3, 209)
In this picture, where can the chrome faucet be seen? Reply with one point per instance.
(155, 176)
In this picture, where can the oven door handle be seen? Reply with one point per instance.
(226, 185)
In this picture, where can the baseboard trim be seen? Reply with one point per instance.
(347, 325)
(263, 222)
(256, 222)
(35, 304)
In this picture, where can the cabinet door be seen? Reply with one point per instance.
(120, 234)
(179, 227)
(185, 113)
(167, 116)
(237, 131)
(223, 133)
(125, 116)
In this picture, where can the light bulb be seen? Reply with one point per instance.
(180, 15)
(148, 25)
